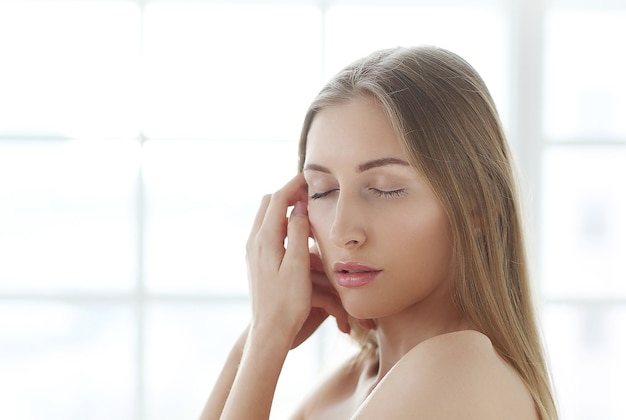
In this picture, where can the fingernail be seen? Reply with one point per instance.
(299, 209)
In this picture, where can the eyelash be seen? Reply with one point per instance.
(317, 196)
(375, 191)
(388, 194)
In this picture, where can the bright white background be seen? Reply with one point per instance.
(137, 137)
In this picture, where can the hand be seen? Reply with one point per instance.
(290, 294)
(324, 302)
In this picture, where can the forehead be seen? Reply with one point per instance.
(357, 129)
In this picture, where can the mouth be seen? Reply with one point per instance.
(354, 274)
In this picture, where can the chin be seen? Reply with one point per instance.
(361, 310)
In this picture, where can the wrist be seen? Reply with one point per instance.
(269, 337)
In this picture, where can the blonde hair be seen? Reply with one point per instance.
(447, 123)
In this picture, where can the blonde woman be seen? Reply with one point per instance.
(406, 187)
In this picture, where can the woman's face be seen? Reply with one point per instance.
(383, 236)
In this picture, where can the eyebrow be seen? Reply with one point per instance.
(376, 163)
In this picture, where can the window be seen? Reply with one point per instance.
(583, 275)
(137, 137)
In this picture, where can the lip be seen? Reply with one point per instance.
(354, 274)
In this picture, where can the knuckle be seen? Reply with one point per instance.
(253, 245)
(298, 225)
(282, 194)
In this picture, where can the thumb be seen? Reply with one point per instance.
(298, 234)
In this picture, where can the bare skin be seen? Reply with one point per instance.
(385, 257)
(452, 376)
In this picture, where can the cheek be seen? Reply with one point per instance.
(320, 227)
(319, 220)
(424, 234)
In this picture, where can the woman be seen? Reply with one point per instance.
(407, 189)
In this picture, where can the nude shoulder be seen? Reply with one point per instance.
(451, 376)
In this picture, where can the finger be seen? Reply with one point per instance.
(316, 262)
(274, 220)
(319, 278)
(331, 305)
(260, 215)
(344, 328)
(321, 282)
(312, 323)
(367, 324)
(297, 235)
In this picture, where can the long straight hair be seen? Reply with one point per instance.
(447, 123)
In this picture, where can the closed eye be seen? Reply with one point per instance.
(388, 194)
(317, 196)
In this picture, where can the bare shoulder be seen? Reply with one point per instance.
(451, 376)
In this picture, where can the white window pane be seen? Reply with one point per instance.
(186, 347)
(198, 336)
(583, 224)
(585, 63)
(69, 68)
(67, 216)
(479, 36)
(66, 361)
(225, 71)
(201, 198)
(586, 345)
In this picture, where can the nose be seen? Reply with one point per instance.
(348, 228)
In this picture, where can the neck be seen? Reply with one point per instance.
(399, 333)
